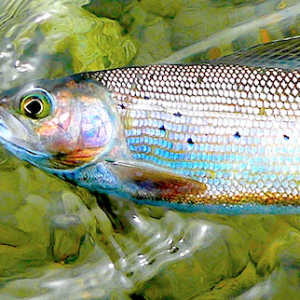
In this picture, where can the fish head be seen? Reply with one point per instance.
(58, 124)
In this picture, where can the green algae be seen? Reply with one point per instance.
(43, 43)
(93, 43)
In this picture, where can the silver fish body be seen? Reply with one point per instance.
(213, 138)
(235, 129)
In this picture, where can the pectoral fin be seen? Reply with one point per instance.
(150, 184)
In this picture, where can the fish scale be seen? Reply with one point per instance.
(234, 128)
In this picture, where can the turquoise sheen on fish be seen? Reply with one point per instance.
(211, 138)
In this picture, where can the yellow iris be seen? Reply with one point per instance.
(37, 104)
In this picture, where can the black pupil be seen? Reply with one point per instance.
(34, 107)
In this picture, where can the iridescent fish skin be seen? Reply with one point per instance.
(236, 129)
(213, 138)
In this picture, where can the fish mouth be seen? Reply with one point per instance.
(39, 159)
(15, 137)
(10, 146)
(21, 142)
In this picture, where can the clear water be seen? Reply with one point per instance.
(58, 241)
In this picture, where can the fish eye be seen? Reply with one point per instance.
(36, 104)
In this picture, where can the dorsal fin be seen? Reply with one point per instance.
(283, 54)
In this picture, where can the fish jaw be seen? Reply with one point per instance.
(16, 134)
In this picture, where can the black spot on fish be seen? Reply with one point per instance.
(200, 79)
(146, 98)
(286, 137)
(190, 141)
(178, 114)
(122, 106)
(162, 128)
(237, 135)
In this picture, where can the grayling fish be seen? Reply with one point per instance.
(212, 137)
